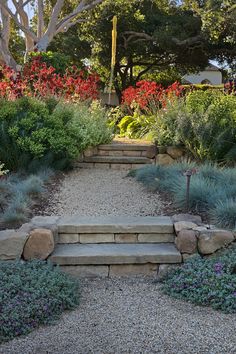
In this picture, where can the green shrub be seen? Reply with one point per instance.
(205, 122)
(90, 125)
(206, 281)
(31, 294)
(35, 133)
(57, 60)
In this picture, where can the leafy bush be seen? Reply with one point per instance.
(141, 106)
(90, 125)
(212, 189)
(38, 79)
(31, 294)
(34, 133)
(60, 62)
(204, 121)
(206, 281)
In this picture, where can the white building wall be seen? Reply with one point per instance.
(215, 77)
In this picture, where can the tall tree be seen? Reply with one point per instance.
(159, 35)
(44, 34)
(152, 35)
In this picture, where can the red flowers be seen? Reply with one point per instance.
(148, 92)
(39, 80)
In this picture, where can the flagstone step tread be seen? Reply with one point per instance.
(127, 147)
(116, 224)
(106, 254)
(118, 159)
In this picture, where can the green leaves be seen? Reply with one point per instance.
(206, 281)
(36, 129)
(32, 294)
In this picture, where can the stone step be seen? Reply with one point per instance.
(118, 159)
(107, 166)
(68, 238)
(126, 147)
(116, 225)
(107, 254)
(127, 153)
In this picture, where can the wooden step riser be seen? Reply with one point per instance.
(74, 238)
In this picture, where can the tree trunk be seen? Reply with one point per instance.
(6, 55)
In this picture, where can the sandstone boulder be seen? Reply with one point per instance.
(151, 152)
(210, 241)
(164, 159)
(12, 244)
(184, 225)
(187, 217)
(39, 245)
(175, 152)
(46, 222)
(186, 241)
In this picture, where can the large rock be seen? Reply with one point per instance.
(164, 159)
(39, 245)
(196, 219)
(175, 152)
(210, 241)
(151, 152)
(12, 244)
(184, 225)
(186, 241)
(46, 222)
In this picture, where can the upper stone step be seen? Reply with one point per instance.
(106, 254)
(118, 159)
(126, 147)
(116, 224)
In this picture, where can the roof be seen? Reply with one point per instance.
(212, 67)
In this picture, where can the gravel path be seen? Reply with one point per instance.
(99, 192)
(121, 316)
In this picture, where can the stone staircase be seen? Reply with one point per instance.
(113, 246)
(119, 155)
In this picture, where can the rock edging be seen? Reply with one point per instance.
(195, 237)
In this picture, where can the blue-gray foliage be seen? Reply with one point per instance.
(212, 189)
(31, 294)
(206, 281)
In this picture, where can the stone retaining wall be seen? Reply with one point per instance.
(194, 237)
(167, 155)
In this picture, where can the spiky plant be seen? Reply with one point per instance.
(33, 185)
(224, 213)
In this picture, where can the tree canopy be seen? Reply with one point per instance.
(153, 35)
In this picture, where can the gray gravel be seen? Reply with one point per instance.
(119, 316)
(99, 192)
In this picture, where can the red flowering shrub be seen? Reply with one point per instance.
(39, 80)
(148, 92)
